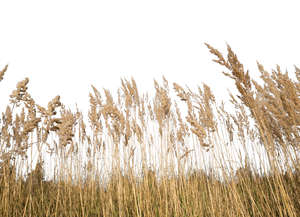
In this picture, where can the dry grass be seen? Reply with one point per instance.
(141, 156)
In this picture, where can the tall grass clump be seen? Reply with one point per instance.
(173, 152)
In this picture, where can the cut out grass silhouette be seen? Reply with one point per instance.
(136, 156)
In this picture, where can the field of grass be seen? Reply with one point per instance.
(176, 153)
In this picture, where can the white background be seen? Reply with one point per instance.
(65, 46)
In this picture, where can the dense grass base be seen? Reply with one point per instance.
(194, 195)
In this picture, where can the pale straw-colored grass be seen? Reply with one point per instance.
(134, 155)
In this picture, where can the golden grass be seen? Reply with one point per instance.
(142, 156)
